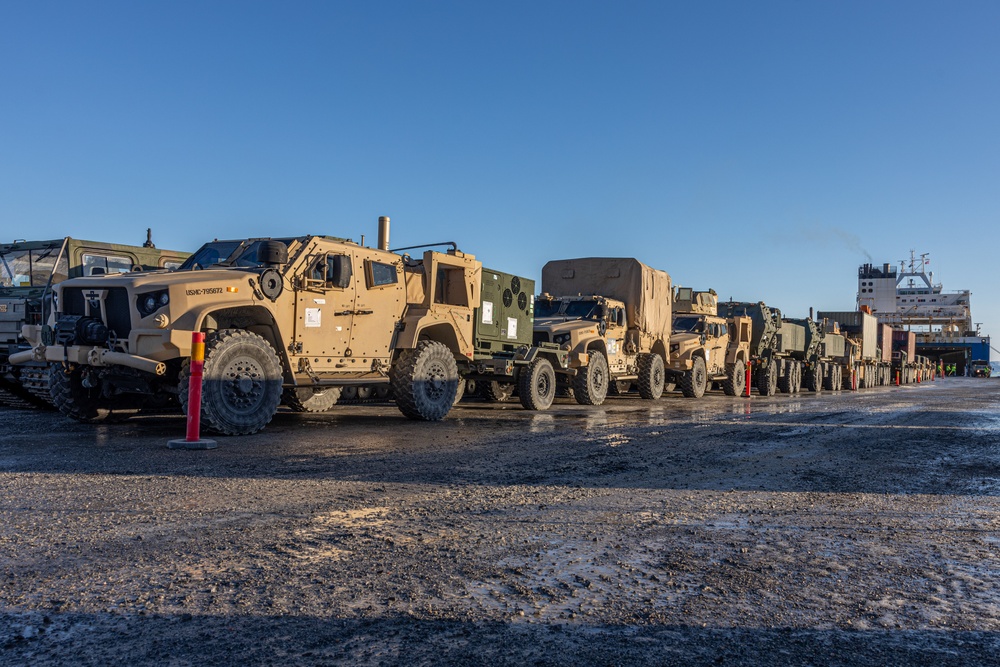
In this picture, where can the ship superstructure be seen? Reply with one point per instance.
(909, 299)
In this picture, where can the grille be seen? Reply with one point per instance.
(119, 312)
(73, 302)
(117, 307)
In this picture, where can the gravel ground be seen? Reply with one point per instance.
(839, 529)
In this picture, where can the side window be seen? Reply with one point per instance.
(95, 265)
(380, 274)
(331, 271)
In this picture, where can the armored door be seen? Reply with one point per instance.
(379, 302)
(324, 309)
(718, 342)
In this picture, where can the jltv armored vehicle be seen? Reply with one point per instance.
(29, 270)
(292, 318)
(706, 348)
(612, 315)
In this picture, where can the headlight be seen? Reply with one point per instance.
(675, 347)
(151, 302)
(559, 339)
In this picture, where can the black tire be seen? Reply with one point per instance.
(590, 385)
(767, 379)
(85, 404)
(425, 381)
(242, 383)
(383, 392)
(695, 381)
(365, 392)
(786, 383)
(493, 391)
(460, 390)
(619, 387)
(798, 378)
(536, 387)
(735, 383)
(311, 399)
(652, 376)
(814, 378)
(349, 393)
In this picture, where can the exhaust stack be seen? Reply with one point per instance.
(383, 232)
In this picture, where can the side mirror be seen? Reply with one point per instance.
(273, 253)
(338, 271)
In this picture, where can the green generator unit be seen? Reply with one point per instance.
(505, 321)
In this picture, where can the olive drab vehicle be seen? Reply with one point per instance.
(291, 319)
(706, 348)
(777, 348)
(612, 315)
(28, 272)
(823, 349)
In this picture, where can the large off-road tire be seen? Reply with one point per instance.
(383, 392)
(493, 391)
(767, 379)
(695, 381)
(814, 378)
(786, 383)
(241, 388)
(425, 380)
(652, 376)
(619, 387)
(311, 399)
(590, 385)
(365, 392)
(536, 386)
(735, 383)
(460, 390)
(85, 404)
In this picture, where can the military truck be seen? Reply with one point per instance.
(706, 348)
(820, 357)
(286, 319)
(865, 363)
(777, 346)
(612, 316)
(29, 270)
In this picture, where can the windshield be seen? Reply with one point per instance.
(228, 253)
(547, 308)
(209, 254)
(31, 268)
(588, 310)
(688, 325)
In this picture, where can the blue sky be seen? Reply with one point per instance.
(760, 148)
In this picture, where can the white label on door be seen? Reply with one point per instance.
(511, 327)
(487, 312)
(320, 301)
(314, 317)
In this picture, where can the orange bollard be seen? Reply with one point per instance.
(194, 439)
(749, 375)
(897, 378)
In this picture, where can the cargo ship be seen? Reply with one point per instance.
(910, 300)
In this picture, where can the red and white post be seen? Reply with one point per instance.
(194, 439)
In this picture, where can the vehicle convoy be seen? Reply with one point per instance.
(612, 316)
(291, 319)
(705, 347)
(28, 272)
(777, 347)
(864, 364)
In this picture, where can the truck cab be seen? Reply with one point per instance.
(707, 348)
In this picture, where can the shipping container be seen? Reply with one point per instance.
(905, 341)
(885, 342)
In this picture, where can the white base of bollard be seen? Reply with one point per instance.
(192, 444)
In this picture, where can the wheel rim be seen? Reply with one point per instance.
(543, 385)
(244, 386)
(436, 382)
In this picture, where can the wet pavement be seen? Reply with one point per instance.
(841, 528)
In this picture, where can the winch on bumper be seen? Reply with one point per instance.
(62, 345)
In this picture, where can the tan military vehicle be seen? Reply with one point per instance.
(706, 348)
(613, 316)
(293, 318)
